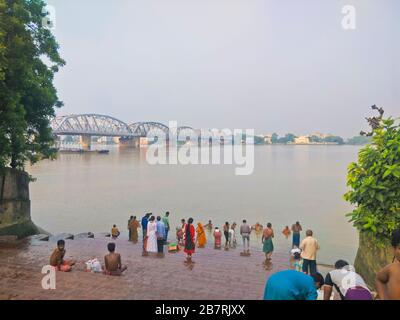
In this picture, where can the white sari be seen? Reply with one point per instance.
(152, 238)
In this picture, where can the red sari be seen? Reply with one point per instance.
(188, 237)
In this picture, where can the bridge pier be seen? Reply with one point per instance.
(85, 141)
(131, 142)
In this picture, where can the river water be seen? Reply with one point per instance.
(90, 192)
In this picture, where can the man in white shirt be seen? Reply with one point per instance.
(347, 283)
(309, 247)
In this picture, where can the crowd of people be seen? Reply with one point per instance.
(301, 282)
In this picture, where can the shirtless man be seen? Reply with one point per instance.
(388, 279)
(209, 226)
(112, 261)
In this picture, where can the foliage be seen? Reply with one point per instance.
(274, 138)
(359, 140)
(289, 137)
(316, 139)
(375, 182)
(27, 94)
(333, 139)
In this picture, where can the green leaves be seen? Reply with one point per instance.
(374, 182)
(27, 94)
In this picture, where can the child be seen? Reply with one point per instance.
(57, 258)
(217, 238)
(296, 259)
(179, 235)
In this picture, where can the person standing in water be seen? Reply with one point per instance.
(232, 236)
(201, 235)
(296, 229)
(226, 234)
(160, 236)
(134, 225)
(209, 226)
(189, 239)
(217, 238)
(245, 231)
(268, 246)
(165, 220)
(151, 243)
(129, 228)
(286, 232)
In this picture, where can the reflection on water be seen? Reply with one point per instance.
(91, 192)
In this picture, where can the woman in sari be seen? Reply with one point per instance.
(189, 239)
(217, 238)
(133, 228)
(151, 245)
(201, 235)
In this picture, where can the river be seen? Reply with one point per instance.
(90, 192)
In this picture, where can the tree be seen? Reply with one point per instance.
(316, 139)
(274, 138)
(334, 139)
(289, 137)
(375, 181)
(27, 94)
(359, 140)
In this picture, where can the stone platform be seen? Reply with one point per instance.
(216, 274)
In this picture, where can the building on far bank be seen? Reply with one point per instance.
(302, 140)
(268, 139)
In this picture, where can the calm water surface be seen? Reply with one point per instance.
(90, 192)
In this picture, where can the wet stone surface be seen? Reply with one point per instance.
(214, 274)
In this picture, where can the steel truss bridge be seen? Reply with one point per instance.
(89, 125)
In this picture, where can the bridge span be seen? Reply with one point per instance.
(89, 125)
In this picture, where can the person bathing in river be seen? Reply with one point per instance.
(268, 246)
(286, 232)
(217, 238)
(388, 279)
(57, 258)
(226, 234)
(134, 225)
(189, 239)
(245, 232)
(232, 236)
(129, 228)
(180, 231)
(296, 229)
(151, 243)
(209, 226)
(201, 236)
(113, 264)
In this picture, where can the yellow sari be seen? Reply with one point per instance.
(201, 235)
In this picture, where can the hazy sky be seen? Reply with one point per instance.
(272, 65)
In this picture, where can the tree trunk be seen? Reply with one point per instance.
(371, 258)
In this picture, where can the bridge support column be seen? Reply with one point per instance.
(85, 142)
(132, 142)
